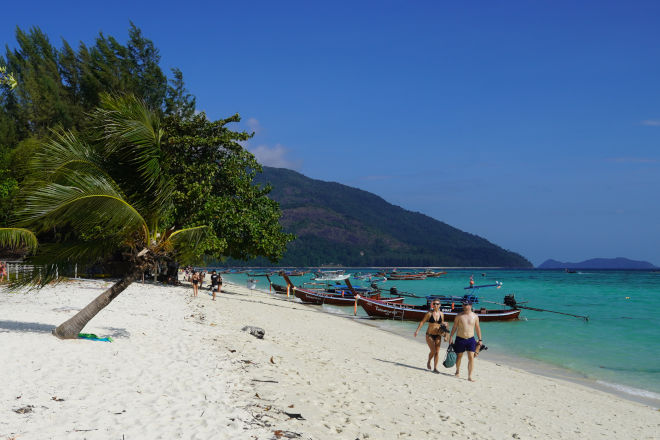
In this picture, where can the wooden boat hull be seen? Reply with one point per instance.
(408, 312)
(393, 277)
(278, 288)
(335, 299)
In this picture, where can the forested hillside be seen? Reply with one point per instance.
(337, 224)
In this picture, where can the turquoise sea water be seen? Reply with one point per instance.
(617, 349)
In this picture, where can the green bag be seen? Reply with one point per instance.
(450, 357)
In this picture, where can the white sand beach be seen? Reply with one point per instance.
(181, 368)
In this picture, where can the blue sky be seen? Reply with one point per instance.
(533, 124)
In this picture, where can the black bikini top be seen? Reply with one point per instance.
(433, 321)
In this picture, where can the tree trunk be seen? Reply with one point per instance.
(71, 328)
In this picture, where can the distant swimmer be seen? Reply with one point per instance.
(436, 328)
(465, 325)
(471, 280)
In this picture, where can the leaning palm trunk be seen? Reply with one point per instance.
(71, 328)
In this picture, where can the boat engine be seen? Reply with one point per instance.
(510, 300)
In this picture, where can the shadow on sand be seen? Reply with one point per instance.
(399, 364)
(25, 327)
(37, 327)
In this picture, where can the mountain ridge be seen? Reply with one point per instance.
(598, 263)
(336, 224)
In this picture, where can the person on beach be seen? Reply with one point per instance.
(3, 271)
(465, 325)
(202, 278)
(214, 283)
(436, 328)
(195, 282)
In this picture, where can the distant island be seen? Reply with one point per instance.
(339, 225)
(599, 263)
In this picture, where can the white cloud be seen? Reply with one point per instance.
(652, 122)
(274, 157)
(253, 125)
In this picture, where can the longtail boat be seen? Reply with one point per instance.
(409, 312)
(330, 275)
(341, 298)
(394, 276)
(431, 274)
(336, 295)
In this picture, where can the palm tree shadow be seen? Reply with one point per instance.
(117, 332)
(37, 327)
(25, 327)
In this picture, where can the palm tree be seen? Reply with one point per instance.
(18, 238)
(100, 194)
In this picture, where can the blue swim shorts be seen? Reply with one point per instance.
(461, 345)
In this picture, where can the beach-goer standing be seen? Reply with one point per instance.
(3, 271)
(465, 325)
(195, 282)
(202, 278)
(214, 283)
(436, 320)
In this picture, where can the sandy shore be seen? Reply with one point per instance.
(181, 367)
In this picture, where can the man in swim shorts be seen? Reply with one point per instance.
(465, 324)
(215, 282)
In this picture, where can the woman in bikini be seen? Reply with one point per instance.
(436, 320)
(195, 281)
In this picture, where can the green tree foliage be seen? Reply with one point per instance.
(76, 183)
(7, 78)
(214, 176)
(178, 101)
(59, 87)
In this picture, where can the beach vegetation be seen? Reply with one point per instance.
(18, 239)
(99, 193)
(7, 78)
(58, 87)
(142, 192)
(108, 163)
(214, 177)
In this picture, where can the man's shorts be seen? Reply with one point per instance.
(461, 345)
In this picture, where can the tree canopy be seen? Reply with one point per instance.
(76, 90)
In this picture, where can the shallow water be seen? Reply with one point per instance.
(618, 349)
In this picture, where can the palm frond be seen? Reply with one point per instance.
(185, 242)
(191, 235)
(32, 276)
(64, 147)
(127, 126)
(132, 135)
(85, 203)
(17, 238)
